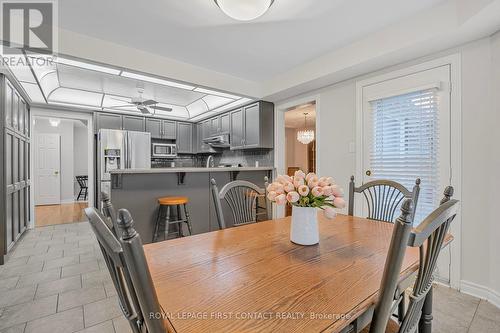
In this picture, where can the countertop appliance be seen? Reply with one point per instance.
(218, 141)
(163, 150)
(120, 150)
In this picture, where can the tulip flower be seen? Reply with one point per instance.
(271, 195)
(317, 191)
(292, 197)
(339, 202)
(288, 187)
(303, 190)
(329, 212)
(280, 200)
(299, 174)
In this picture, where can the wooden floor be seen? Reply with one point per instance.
(59, 214)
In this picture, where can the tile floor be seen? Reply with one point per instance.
(56, 281)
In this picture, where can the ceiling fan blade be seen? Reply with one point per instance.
(143, 109)
(161, 108)
(149, 102)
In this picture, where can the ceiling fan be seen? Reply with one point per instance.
(142, 104)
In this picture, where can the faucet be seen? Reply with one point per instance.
(210, 161)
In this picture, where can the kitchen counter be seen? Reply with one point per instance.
(193, 169)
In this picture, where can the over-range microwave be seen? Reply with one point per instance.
(163, 150)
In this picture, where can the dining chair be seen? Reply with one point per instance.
(428, 237)
(109, 212)
(242, 198)
(84, 189)
(129, 272)
(383, 197)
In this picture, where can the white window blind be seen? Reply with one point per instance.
(405, 144)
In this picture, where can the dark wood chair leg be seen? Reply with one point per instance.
(157, 224)
(425, 324)
(167, 223)
(190, 229)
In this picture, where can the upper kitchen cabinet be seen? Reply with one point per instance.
(153, 126)
(108, 121)
(185, 138)
(169, 129)
(220, 124)
(203, 132)
(224, 123)
(133, 123)
(252, 126)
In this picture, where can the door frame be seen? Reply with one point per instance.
(454, 61)
(37, 111)
(279, 138)
(36, 139)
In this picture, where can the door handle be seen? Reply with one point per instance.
(56, 172)
(368, 172)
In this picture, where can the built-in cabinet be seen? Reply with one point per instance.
(219, 125)
(133, 123)
(204, 131)
(14, 166)
(161, 129)
(252, 126)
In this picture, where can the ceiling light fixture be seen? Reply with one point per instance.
(151, 79)
(86, 65)
(54, 122)
(305, 136)
(244, 10)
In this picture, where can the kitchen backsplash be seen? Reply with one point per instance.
(265, 157)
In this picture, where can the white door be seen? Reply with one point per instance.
(47, 169)
(406, 135)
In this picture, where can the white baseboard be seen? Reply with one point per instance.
(479, 291)
(68, 201)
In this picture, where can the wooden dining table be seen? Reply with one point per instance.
(252, 278)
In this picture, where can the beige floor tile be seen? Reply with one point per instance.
(100, 311)
(14, 329)
(487, 319)
(80, 297)
(9, 271)
(122, 325)
(45, 256)
(106, 327)
(8, 283)
(16, 296)
(80, 268)
(35, 278)
(58, 286)
(62, 322)
(61, 262)
(95, 278)
(21, 313)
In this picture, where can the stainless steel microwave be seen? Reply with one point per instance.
(163, 150)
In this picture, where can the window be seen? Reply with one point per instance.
(405, 144)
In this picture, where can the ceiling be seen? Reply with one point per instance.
(293, 32)
(57, 82)
(295, 118)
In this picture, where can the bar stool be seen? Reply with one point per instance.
(167, 204)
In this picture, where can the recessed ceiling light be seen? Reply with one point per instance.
(87, 65)
(157, 80)
(244, 10)
(216, 93)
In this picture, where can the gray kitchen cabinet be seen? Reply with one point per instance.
(169, 129)
(185, 138)
(214, 126)
(203, 131)
(109, 121)
(133, 123)
(224, 123)
(237, 129)
(252, 126)
(153, 126)
(14, 166)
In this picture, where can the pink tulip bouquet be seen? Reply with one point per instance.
(309, 190)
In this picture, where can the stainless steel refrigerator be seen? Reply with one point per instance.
(120, 150)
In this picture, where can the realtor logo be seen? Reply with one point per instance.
(28, 25)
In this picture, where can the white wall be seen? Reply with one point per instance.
(80, 154)
(65, 130)
(480, 266)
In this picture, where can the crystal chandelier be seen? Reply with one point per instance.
(305, 136)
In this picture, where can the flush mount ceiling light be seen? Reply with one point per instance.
(305, 136)
(244, 10)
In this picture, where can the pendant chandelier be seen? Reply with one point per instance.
(305, 136)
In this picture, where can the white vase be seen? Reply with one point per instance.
(304, 226)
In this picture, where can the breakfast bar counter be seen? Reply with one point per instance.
(139, 189)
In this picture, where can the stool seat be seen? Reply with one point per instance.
(173, 201)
